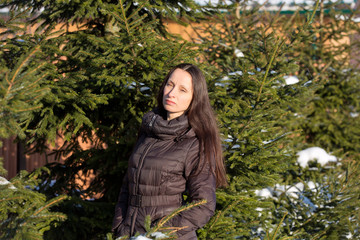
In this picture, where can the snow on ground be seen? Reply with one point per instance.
(140, 238)
(314, 153)
(156, 235)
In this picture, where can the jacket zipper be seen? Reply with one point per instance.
(141, 163)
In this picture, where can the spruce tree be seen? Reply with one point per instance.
(25, 213)
(103, 77)
(328, 210)
(108, 72)
(266, 119)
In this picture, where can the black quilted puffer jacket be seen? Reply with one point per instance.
(161, 168)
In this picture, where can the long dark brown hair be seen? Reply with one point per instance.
(202, 120)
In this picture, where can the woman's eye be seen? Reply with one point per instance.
(183, 90)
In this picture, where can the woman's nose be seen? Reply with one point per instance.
(171, 92)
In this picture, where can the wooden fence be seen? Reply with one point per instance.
(16, 160)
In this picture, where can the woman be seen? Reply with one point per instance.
(178, 151)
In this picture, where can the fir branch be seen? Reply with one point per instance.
(10, 199)
(174, 213)
(221, 213)
(50, 204)
(38, 96)
(277, 46)
(138, 9)
(229, 32)
(133, 25)
(2, 86)
(32, 71)
(278, 226)
(54, 201)
(317, 236)
(7, 78)
(21, 66)
(178, 53)
(177, 229)
(310, 20)
(125, 19)
(51, 215)
(24, 110)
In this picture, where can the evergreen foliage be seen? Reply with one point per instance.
(90, 13)
(335, 109)
(330, 209)
(93, 84)
(24, 71)
(160, 230)
(255, 109)
(107, 75)
(25, 213)
(265, 121)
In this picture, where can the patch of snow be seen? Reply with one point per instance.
(143, 89)
(354, 114)
(4, 181)
(140, 238)
(307, 83)
(227, 78)
(229, 138)
(314, 153)
(4, 10)
(311, 185)
(260, 230)
(290, 80)
(156, 235)
(238, 53)
(159, 235)
(292, 191)
(236, 73)
(349, 235)
(270, 141)
(235, 146)
(342, 17)
(299, 187)
(265, 193)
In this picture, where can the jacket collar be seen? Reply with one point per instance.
(155, 125)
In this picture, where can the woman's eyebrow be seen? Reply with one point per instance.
(186, 87)
(183, 86)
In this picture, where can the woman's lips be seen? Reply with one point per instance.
(169, 102)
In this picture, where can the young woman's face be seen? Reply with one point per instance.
(178, 93)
